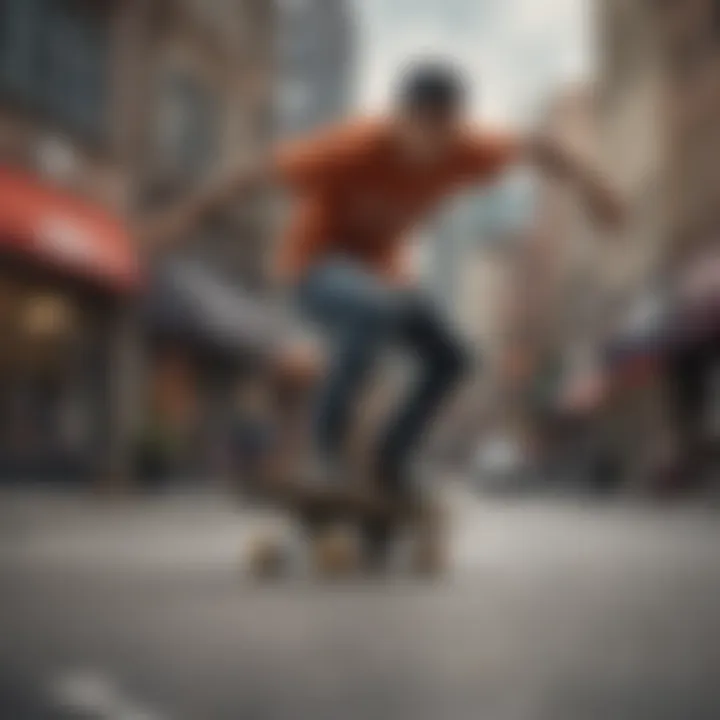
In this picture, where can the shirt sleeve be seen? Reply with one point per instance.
(317, 162)
(486, 154)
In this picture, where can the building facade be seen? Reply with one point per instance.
(657, 121)
(688, 37)
(108, 109)
(209, 107)
(315, 53)
(67, 265)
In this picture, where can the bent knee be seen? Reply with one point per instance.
(454, 359)
(461, 359)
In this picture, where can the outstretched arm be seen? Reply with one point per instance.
(489, 152)
(169, 224)
(553, 159)
(305, 166)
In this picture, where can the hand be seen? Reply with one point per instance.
(401, 272)
(607, 207)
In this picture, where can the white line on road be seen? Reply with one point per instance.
(93, 695)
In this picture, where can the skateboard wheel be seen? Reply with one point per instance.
(335, 553)
(428, 560)
(267, 557)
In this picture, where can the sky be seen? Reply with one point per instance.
(514, 51)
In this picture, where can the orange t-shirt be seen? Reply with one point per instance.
(357, 194)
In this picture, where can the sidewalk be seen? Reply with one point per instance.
(163, 530)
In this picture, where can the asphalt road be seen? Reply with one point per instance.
(552, 611)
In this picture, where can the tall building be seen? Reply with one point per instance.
(69, 74)
(208, 106)
(634, 136)
(659, 82)
(315, 54)
(586, 283)
(689, 44)
(658, 118)
(106, 109)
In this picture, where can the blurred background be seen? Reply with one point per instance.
(125, 372)
(598, 355)
(117, 365)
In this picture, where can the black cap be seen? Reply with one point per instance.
(432, 86)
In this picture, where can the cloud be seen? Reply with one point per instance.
(515, 51)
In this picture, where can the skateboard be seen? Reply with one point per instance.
(345, 531)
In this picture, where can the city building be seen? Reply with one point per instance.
(110, 109)
(634, 132)
(681, 56)
(204, 314)
(67, 264)
(689, 44)
(209, 106)
(315, 55)
(655, 125)
(655, 69)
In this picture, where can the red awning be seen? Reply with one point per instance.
(64, 231)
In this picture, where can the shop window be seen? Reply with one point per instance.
(54, 57)
(186, 126)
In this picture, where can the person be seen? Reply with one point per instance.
(360, 188)
(690, 364)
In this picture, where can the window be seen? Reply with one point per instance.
(186, 125)
(54, 56)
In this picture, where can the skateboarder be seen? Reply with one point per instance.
(359, 189)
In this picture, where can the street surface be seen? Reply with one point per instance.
(554, 610)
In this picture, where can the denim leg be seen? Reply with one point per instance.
(443, 359)
(357, 313)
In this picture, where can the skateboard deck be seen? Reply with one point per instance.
(341, 501)
(333, 522)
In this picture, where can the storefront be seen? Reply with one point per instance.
(205, 337)
(66, 268)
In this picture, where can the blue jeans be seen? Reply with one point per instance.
(361, 316)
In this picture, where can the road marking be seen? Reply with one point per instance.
(95, 696)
